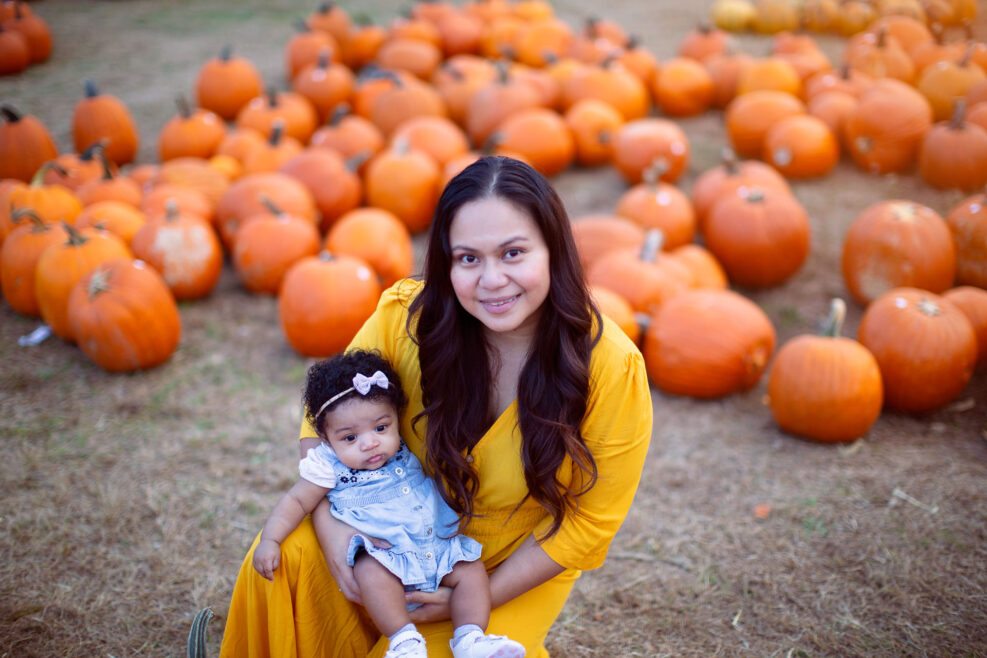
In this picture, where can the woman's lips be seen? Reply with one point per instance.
(499, 304)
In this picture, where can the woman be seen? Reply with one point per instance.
(533, 410)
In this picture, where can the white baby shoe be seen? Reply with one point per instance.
(407, 644)
(478, 645)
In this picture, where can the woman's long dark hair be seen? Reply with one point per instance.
(455, 361)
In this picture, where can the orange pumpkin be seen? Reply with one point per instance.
(749, 117)
(541, 137)
(244, 199)
(195, 173)
(78, 168)
(184, 249)
(644, 277)
(303, 47)
(827, 387)
(35, 31)
(415, 56)
(110, 187)
(967, 222)
(14, 53)
(105, 117)
(769, 74)
(19, 260)
(272, 153)
(595, 235)
(61, 266)
(682, 87)
(404, 181)
(226, 83)
(725, 70)
(334, 184)
(973, 303)
(640, 143)
(325, 84)
(25, 144)
(761, 239)
(266, 247)
(732, 177)
(438, 136)
(844, 79)
(801, 146)
(124, 317)
(359, 47)
(706, 271)
(407, 98)
(349, 135)
(615, 307)
(954, 153)
(925, 346)
(945, 82)
(832, 108)
(187, 200)
(654, 204)
(297, 112)
(52, 203)
(119, 218)
(491, 104)
(884, 131)
(458, 78)
(880, 56)
(593, 125)
(893, 244)
(378, 237)
(192, 133)
(323, 302)
(703, 41)
(612, 83)
(708, 344)
(332, 19)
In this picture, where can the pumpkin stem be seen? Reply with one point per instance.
(755, 195)
(301, 25)
(105, 161)
(845, 70)
(882, 37)
(226, 53)
(326, 7)
(325, 256)
(39, 176)
(502, 66)
(323, 61)
(18, 213)
(99, 282)
(401, 145)
(453, 72)
(704, 28)
(652, 173)
(277, 132)
(654, 240)
(967, 55)
(75, 237)
(270, 205)
(730, 163)
(590, 26)
(929, 307)
(338, 114)
(171, 209)
(355, 162)
(92, 91)
(10, 114)
(632, 42)
(92, 150)
(272, 97)
(959, 113)
(834, 322)
(184, 110)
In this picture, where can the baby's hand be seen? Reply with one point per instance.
(267, 556)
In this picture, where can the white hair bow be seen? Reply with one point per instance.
(361, 384)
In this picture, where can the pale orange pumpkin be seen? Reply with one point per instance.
(124, 317)
(540, 135)
(615, 307)
(801, 146)
(732, 177)
(897, 243)
(404, 181)
(350, 135)
(323, 302)
(193, 133)
(708, 344)
(682, 87)
(184, 249)
(593, 124)
(117, 217)
(749, 117)
(266, 247)
(973, 302)
(597, 234)
(827, 387)
(334, 184)
(639, 144)
(654, 204)
(706, 271)
(884, 131)
(925, 346)
(953, 153)
(19, 260)
(226, 83)
(438, 136)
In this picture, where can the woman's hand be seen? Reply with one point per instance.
(436, 606)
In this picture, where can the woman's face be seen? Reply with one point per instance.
(500, 265)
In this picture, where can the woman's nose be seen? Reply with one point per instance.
(492, 275)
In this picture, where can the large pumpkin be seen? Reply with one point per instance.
(732, 177)
(25, 144)
(323, 302)
(404, 181)
(104, 116)
(265, 249)
(19, 259)
(954, 153)
(894, 244)
(378, 237)
(654, 204)
(541, 137)
(884, 131)
(826, 387)
(925, 346)
(226, 83)
(640, 143)
(597, 234)
(124, 317)
(708, 344)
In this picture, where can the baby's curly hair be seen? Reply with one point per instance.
(334, 375)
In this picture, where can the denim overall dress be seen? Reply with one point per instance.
(399, 503)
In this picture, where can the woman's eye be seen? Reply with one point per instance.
(467, 259)
(511, 254)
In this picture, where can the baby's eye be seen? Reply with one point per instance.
(382, 428)
(349, 438)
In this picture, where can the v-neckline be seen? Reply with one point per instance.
(502, 418)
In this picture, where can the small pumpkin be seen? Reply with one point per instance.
(593, 125)
(897, 243)
(973, 303)
(492, 103)
(826, 388)
(192, 133)
(682, 87)
(801, 146)
(706, 271)
(954, 153)
(612, 83)
(34, 29)
(226, 83)
(304, 46)
(265, 248)
(110, 187)
(404, 181)
(124, 317)
(119, 218)
(750, 116)
(325, 83)
(25, 144)
(732, 177)
(406, 99)
(350, 135)
(597, 234)
(244, 198)
(323, 302)
(272, 153)
(541, 137)
(334, 183)
(925, 347)
(19, 259)
(61, 266)
(78, 168)
(708, 344)
(654, 204)
(945, 82)
(297, 112)
(100, 116)
(640, 143)
(378, 237)
(725, 70)
(769, 73)
(437, 136)
(415, 56)
(703, 41)
(52, 203)
(187, 200)
(615, 307)
(14, 53)
(884, 131)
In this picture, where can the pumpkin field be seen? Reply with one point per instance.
(767, 522)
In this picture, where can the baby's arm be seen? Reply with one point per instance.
(287, 514)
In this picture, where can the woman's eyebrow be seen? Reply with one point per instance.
(516, 238)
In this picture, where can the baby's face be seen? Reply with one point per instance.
(363, 433)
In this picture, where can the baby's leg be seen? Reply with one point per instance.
(383, 594)
(470, 599)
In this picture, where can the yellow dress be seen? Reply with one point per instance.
(302, 614)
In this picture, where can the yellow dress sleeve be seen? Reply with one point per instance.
(617, 430)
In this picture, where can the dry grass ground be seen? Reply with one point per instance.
(128, 501)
